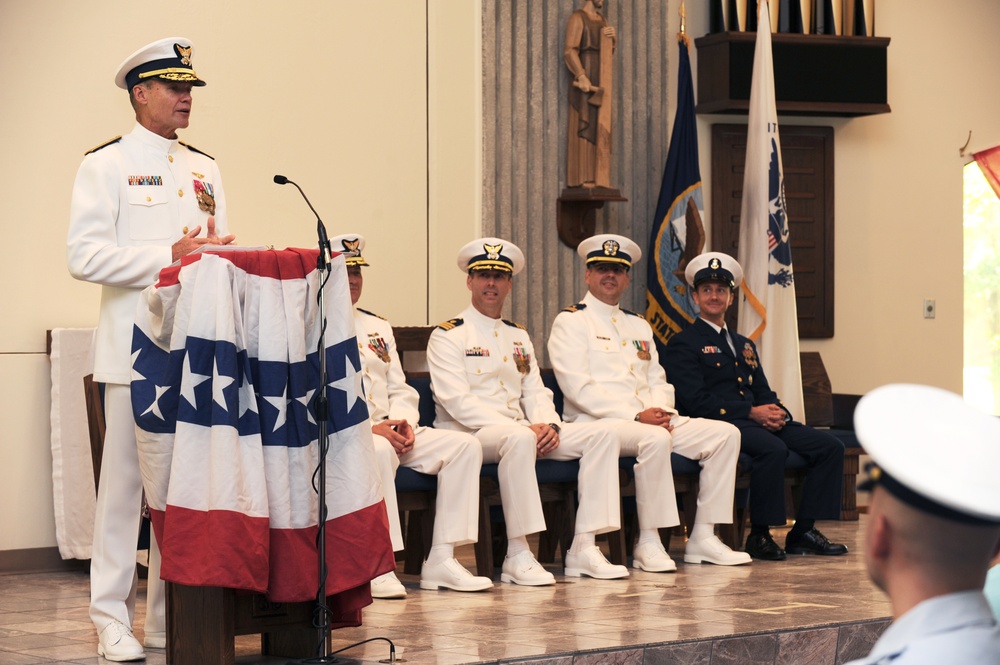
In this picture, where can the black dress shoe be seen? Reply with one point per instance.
(762, 546)
(813, 542)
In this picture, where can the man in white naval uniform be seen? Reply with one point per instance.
(933, 523)
(607, 366)
(485, 381)
(139, 203)
(454, 457)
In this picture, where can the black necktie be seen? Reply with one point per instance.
(725, 340)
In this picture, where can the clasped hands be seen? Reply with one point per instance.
(656, 416)
(546, 438)
(398, 433)
(769, 416)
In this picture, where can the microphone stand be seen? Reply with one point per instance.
(321, 618)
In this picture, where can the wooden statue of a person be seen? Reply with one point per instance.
(590, 43)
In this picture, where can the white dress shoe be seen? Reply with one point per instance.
(713, 550)
(652, 558)
(388, 586)
(450, 574)
(154, 640)
(591, 562)
(117, 643)
(524, 569)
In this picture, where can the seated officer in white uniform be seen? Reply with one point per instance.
(485, 379)
(933, 523)
(607, 366)
(454, 457)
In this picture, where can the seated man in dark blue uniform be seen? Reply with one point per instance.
(717, 374)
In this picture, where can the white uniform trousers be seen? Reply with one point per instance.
(594, 444)
(714, 444)
(455, 458)
(113, 579)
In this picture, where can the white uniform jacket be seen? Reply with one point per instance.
(956, 628)
(606, 363)
(484, 372)
(389, 395)
(133, 199)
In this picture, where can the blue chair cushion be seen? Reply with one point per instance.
(847, 436)
(546, 471)
(422, 383)
(408, 480)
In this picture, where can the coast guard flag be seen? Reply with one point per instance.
(225, 369)
(768, 314)
(669, 307)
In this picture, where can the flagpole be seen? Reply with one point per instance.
(677, 234)
(682, 34)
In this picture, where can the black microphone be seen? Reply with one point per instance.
(324, 240)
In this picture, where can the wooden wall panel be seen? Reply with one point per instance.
(807, 159)
(524, 142)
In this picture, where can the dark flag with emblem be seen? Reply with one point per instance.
(225, 369)
(768, 313)
(677, 234)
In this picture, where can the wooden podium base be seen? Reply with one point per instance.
(575, 211)
(203, 622)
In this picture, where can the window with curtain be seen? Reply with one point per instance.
(982, 280)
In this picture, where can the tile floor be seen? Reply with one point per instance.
(43, 617)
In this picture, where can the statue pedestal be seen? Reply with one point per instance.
(575, 211)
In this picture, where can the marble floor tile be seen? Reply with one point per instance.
(765, 612)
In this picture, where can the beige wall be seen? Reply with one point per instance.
(337, 96)
(373, 108)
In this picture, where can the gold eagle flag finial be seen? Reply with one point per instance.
(682, 34)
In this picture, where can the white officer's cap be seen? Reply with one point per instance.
(609, 248)
(714, 267)
(491, 254)
(350, 245)
(168, 59)
(932, 450)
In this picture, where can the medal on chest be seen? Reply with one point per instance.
(379, 347)
(749, 357)
(522, 359)
(205, 193)
(642, 349)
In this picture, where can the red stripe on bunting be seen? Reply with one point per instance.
(213, 548)
(291, 263)
(357, 550)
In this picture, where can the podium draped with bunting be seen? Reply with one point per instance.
(225, 369)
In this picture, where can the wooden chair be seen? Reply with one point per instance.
(834, 413)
